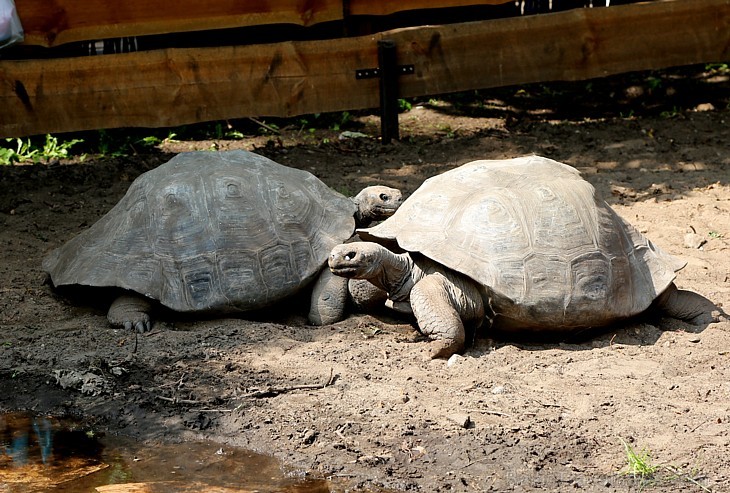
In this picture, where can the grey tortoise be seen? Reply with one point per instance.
(219, 232)
(525, 242)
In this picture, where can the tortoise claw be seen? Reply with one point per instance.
(128, 325)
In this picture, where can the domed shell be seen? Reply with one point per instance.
(221, 231)
(534, 234)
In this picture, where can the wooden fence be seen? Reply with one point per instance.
(174, 86)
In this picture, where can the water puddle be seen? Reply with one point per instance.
(41, 454)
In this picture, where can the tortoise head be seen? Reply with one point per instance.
(356, 260)
(376, 203)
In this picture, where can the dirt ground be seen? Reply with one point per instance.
(359, 401)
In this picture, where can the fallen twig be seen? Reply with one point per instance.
(687, 477)
(274, 391)
(267, 127)
(175, 400)
(488, 411)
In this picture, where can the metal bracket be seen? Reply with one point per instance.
(388, 72)
(374, 73)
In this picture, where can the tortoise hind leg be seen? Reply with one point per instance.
(130, 311)
(688, 306)
(442, 306)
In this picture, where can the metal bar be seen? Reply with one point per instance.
(388, 91)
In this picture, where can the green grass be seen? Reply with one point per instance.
(641, 466)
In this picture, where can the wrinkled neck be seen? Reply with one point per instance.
(397, 274)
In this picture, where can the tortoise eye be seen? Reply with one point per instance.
(384, 197)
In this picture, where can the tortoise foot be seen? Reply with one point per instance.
(443, 348)
(130, 312)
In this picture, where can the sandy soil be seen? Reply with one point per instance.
(360, 402)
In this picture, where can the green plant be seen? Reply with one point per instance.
(722, 68)
(716, 235)
(234, 135)
(53, 149)
(26, 151)
(23, 152)
(344, 119)
(627, 116)
(268, 128)
(150, 141)
(404, 105)
(670, 113)
(109, 146)
(639, 463)
(653, 83)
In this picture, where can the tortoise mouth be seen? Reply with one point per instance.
(385, 210)
(344, 271)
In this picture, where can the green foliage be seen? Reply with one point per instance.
(722, 68)
(404, 105)
(233, 135)
(639, 464)
(344, 119)
(24, 151)
(673, 113)
(653, 83)
(111, 146)
(53, 149)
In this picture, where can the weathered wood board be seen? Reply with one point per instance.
(65, 21)
(179, 86)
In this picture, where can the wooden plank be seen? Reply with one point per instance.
(179, 86)
(573, 45)
(65, 21)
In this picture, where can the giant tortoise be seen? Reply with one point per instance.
(526, 241)
(219, 232)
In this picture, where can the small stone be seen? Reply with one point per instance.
(498, 390)
(694, 339)
(352, 135)
(463, 420)
(455, 358)
(705, 107)
(309, 437)
(693, 240)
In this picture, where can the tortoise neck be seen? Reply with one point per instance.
(397, 275)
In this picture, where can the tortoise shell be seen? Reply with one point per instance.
(546, 249)
(221, 231)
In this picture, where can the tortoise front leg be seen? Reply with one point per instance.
(329, 299)
(441, 307)
(131, 311)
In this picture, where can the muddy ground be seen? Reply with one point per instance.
(360, 402)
